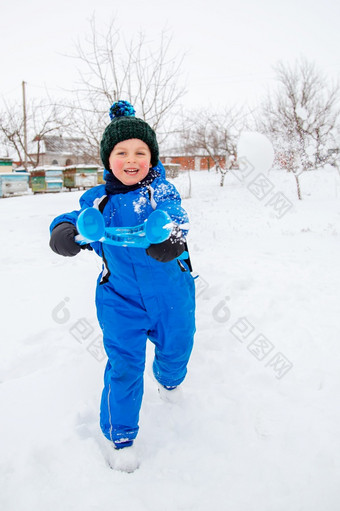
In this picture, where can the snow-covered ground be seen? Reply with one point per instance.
(258, 425)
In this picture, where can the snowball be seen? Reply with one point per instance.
(257, 149)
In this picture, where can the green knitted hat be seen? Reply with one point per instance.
(123, 126)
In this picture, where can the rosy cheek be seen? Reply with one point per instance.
(117, 165)
(144, 164)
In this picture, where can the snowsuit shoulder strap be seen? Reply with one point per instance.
(103, 203)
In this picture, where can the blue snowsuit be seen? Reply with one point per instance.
(139, 298)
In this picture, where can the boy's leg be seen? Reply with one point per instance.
(124, 341)
(121, 399)
(172, 353)
(173, 336)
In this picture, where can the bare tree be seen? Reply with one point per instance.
(11, 127)
(300, 118)
(42, 118)
(87, 124)
(140, 71)
(214, 134)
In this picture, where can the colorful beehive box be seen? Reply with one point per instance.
(46, 179)
(6, 165)
(13, 183)
(37, 180)
(80, 176)
(100, 177)
(54, 179)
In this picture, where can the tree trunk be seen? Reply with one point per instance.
(189, 195)
(223, 174)
(298, 186)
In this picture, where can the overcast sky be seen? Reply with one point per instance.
(230, 47)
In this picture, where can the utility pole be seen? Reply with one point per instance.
(25, 121)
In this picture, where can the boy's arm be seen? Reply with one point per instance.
(167, 198)
(85, 201)
(63, 228)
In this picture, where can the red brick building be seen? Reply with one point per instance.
(193, 162)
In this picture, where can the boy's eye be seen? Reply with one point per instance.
(124, 153)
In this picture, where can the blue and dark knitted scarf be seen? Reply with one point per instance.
(113, 186)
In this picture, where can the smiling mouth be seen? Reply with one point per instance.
(131, 171)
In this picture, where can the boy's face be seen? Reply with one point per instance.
(130, 161)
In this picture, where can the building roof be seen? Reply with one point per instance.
(61, 145)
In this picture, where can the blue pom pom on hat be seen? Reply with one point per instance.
(121, 109)
(124, 126)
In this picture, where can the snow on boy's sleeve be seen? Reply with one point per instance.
(167, 198)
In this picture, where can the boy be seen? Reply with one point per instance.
(141, 293)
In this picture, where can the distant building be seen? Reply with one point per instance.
(58, 150)
(194, 162)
